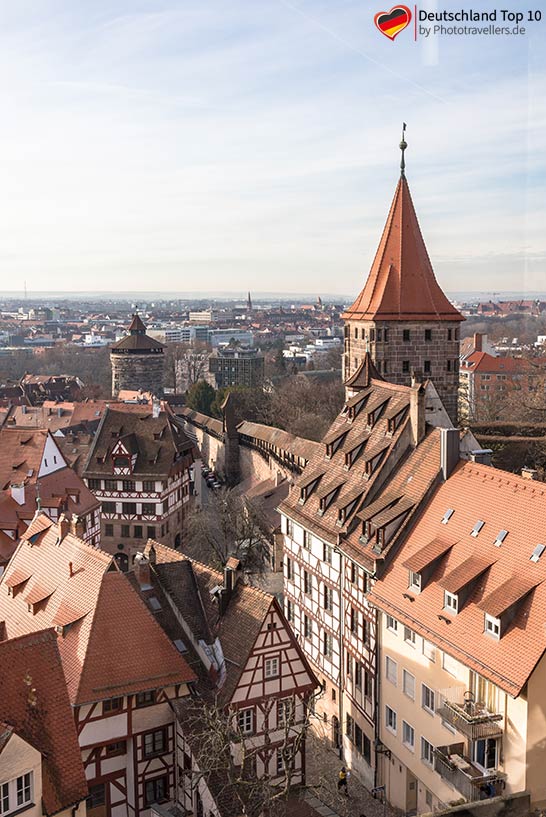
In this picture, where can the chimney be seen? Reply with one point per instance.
(449, 450)
(478, 342)
(23, 409)
(76, 526)
(17, 491)
(529, 473)
(142, 571)
(156, 407)
(231, 575)
(481, 455)
(59, 412)
(63, 526)
(417, 412)
(279, 477)
(70, 569)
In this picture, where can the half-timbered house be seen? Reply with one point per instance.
(139, 468)
(249, 664)
(122, 672)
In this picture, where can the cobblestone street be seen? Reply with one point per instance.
(323, 765)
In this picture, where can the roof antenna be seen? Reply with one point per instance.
(403, 146)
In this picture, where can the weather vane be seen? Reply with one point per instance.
(403, 146)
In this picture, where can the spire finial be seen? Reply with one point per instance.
(403, 146)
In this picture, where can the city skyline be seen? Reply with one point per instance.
(170, 147)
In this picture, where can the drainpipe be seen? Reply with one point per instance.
(341, 685)
(377, 708)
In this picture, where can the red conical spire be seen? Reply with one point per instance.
(401, 284)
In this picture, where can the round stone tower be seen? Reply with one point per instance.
(137, 361)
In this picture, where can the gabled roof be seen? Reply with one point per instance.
(401, 284)
(505, 574)
(34, 705)
(360, 379)
(103, 656)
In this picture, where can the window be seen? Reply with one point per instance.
(108, 507)
(372, 334)
(108, 530)
(271, 667)
(415, 581)
(358, 675)
(492, 626)
(429, 650)
(327, 645)
(137, 532)
(97, 796)
(428, 799)
(24, 789)
(245, 721)
(390, 719)
(150, 532)
(117, 748)
(148, 486)
(112, 705)
(352, 573)
(409, 636)
(405, 366)
(289, 528)
(428, 335)
(408, 736)
(306, 627)
(156, 791)
(391, 670)
(408, 684)
(392, 624)
(451, 602)
(148, 508)
(386, 335)
(125, 531)
(426, 366)
(145, 698)
(289, 610)
(449, 664)
(306, 540)
(327, 553)
(154, 743)
(307, 583)
(4, 798)
(285, 712)
(353, 620)
(110, 484)
(288, 564)
(406, 335)
(128, 485)
(328, 598)
(427, 752)
(484, 753)
(284, 760)
(428, 698)
(93, 484)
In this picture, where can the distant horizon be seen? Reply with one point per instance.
(256, 295)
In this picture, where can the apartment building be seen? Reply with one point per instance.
(462, 668)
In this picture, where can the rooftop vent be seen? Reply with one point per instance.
(180, 646)
(501, 536)
(447, 516)
(477, 527)
(154, 603)
(537, 552)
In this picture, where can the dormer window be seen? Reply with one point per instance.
(477, 527)
(492, 626)
(415, 581)
(352, 455)
(451, 602)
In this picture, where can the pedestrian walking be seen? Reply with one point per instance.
(342, 781)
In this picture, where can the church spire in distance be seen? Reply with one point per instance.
(403, 146)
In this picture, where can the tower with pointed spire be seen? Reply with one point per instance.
(137, 361)
(402, 317)
(249, 304)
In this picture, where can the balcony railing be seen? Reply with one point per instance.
(473, 783)
(458, 708)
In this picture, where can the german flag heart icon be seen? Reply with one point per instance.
(391, 23)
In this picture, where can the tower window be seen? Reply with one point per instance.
(386, 335)
(426, 366)
(428, 334)
(385, 367)
(406, 335)
(379, 334)
(456, 334)
(356, 332)
(363, 334)
(405, 366)
(372, 334)
(448, 365)
(450, 334)
(356, 363)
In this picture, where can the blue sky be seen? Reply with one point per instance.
(180, 145)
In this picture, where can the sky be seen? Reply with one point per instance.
(205, 145)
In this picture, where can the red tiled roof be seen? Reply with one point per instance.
(401, 284)
(34, 704)
(102, 656)
(503, 502)
(483, 363)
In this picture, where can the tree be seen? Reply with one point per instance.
(185, 365)
(230, 525)
(200, 397)
(229, 760)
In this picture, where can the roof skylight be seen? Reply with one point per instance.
(477, 527)
(537, 552)
(447, 516)
(501, 536)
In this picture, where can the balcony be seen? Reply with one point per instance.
(458, 708)
(459, 771)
